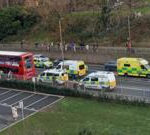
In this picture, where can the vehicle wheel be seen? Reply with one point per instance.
(148, 76)
(126, 74)
(40, 81)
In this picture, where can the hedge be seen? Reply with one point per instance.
(43, 88)
(46, 88)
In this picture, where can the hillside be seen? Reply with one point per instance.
(90, 21)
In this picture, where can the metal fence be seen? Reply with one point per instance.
(120, 91)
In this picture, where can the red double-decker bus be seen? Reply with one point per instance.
(20, 64)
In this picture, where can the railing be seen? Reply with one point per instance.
(118, 92)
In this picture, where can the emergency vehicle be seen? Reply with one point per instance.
(73, 67)
(99, 80)
(20, 64)
(40, 56)
(48, 76)
(43, 63)
(133, 67)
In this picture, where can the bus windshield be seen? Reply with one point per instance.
(28, 62)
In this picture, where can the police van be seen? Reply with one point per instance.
(48, 76)
(73, 67)
(43, 63)
(99, 80)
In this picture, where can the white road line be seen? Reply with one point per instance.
(4, 92)
(11, 97)
(4, 104)
(30, 115)
(23, 99)
(130, 88)
(36, 92)
(37, 101)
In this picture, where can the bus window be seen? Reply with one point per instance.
(14, 70)
(28, 62)
(81, 67)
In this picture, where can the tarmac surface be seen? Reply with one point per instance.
(32, 103)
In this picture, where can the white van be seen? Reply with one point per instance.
(49, 76)
(73, 67)
(99, 80)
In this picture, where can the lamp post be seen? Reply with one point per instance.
(61, 40)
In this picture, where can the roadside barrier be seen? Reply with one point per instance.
(71, 88)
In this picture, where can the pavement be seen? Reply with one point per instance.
(33, 103)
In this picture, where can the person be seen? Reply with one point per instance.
(66, 47)
(74, 47)
(9, 75)
(21, 43)
(128, 45)
(1, 73)
(87, 47)
(36, 44)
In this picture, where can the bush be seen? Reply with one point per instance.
(15, 19)
(46, 88)
(43, 88)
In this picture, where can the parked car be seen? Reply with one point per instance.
(110, 66)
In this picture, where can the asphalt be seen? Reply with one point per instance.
(33, 103)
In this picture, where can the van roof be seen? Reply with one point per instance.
(100, 73)
(54, 71)
(131, 59)
(11, 53)
(70, 62)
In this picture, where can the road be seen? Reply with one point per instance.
(131, 86)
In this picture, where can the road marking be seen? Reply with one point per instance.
(23, 99)
(11, 97)
(33, 92)
(49, 105)
(36, 101)
(131, 88)
(4, 92)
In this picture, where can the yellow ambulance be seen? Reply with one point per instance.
(133, 67)
(73, 67)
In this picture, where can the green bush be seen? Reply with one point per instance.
(15, 19)
(43, 88)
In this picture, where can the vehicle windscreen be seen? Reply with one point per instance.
(147, 66)
(81, 67)
(28, 62)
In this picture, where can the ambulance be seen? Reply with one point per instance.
(99, 80)
(48, 76)
(133, 67)
(73, 67)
